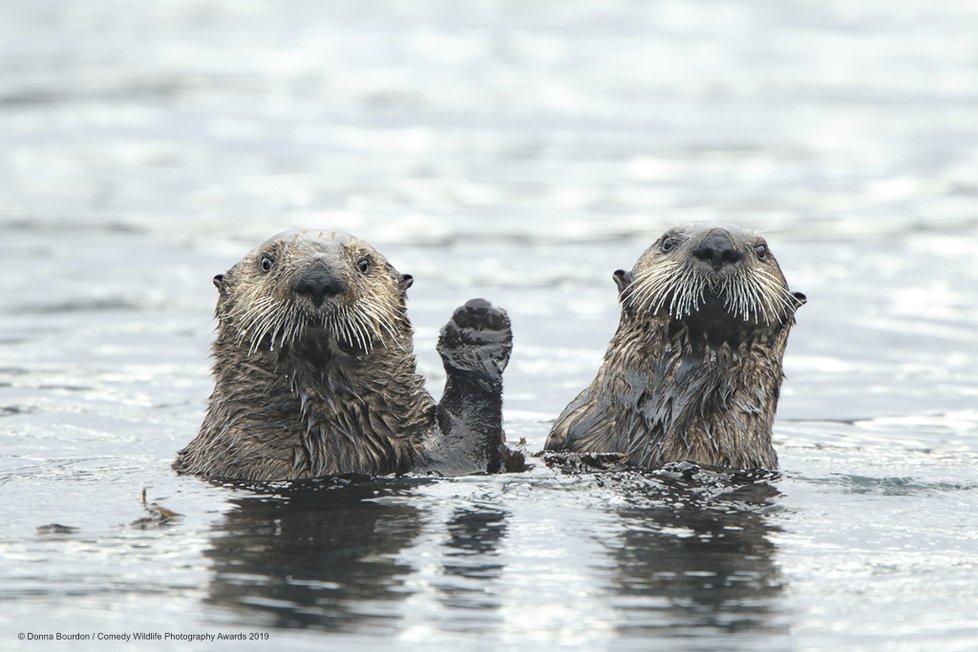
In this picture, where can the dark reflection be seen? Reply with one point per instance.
(471, 566)
(696, 555)
(316, 555)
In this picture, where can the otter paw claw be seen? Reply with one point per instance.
(478, 339)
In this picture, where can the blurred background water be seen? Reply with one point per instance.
(519, 151)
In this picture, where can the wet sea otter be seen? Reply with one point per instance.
(315, 373)
(694, 371)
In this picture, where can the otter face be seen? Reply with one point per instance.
(709, 272)
(301, 284)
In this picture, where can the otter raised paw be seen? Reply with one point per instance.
(474, 346)
(315, 374)
(476, 343)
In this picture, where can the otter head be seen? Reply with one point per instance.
(720, 282)
(311, 286)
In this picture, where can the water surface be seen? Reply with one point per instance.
(521, 152)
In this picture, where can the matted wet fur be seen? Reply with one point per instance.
(315, 374)
(694, 371)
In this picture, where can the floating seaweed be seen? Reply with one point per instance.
(156, 515)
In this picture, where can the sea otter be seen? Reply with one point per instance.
(694, 371)
(315, 373)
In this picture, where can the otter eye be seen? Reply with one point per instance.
(363, 265)
(267, 264)
(761, 251)
(668, 244)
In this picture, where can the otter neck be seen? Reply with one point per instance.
(691, 392)
(351, 410)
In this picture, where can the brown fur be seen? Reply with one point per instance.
(694, 371)
(304, 391)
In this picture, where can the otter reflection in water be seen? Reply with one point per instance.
(471, 568)
(328, 555)
(316, 555)
(694, 553)
(694, 371)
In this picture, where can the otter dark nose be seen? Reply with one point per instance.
(717, 249)
(319, 283)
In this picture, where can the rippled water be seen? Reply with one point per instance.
(522, 152)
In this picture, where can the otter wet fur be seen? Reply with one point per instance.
(694, 371)
(315, 373)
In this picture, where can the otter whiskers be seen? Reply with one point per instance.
(753, 295)
(280, 322)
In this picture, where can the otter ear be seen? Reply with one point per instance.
(800, 299)
(405, 282)
(220, 284)
(622, 279)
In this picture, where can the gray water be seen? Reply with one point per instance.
(519, 151)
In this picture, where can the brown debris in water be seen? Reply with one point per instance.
(56, 528)
(156, 515)
(585, 462)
